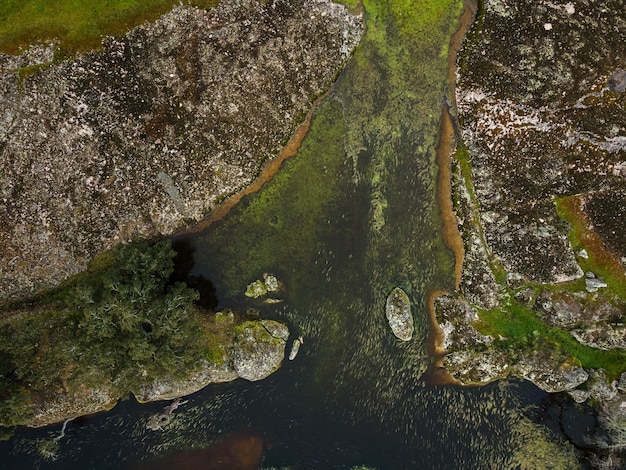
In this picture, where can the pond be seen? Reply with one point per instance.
(351, 216)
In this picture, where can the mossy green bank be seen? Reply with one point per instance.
(78, 25)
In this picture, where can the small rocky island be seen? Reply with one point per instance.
(398, 313)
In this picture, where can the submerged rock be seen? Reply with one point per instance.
(398, 312)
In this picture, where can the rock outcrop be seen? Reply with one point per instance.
(150, 133)
(539, 194)
(252, 350)
(259, 348)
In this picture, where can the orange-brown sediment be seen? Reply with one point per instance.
(437, 375)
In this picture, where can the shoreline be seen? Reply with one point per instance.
(436, 374)
(266, 173)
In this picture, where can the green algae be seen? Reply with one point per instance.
(600, 260)
(79, 25)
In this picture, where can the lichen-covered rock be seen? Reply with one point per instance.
(617, 81)
(598, 386)
(150, 133)
(67, 405)
(469, 367)
(295, 348)
(259, 348)
(542, 118)
(168, 389)
(541, 123)
(549, 373)
(398, 313)
(256, 289)
(593, 320)
(261, 287)
(455, 317)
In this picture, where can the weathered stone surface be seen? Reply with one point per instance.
(599, 388)
(591, 319)
(621, 383)
(261, 287)
(295, 348)
(455, 317)
(542, 119)
(148, 134)
(617, 81)
(478, 283)
(398, 313)
(168, 389)
(71, 405)
(256, 352)
(540, 123)
(548, 374)
(471, 368)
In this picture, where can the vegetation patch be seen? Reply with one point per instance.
(79, 25)
(522, 331)
(120, 327)
(600, 261)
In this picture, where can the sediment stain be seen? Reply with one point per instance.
(450, 231)
(242, 450)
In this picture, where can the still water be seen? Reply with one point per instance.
(351, 216)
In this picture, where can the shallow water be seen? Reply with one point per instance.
(351, 216)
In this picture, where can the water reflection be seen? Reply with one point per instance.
(242, 450)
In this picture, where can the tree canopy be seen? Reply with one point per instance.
(122, 327)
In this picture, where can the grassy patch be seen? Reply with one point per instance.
(601, 261)
(525, 332)
(462, 156)
(79, 25)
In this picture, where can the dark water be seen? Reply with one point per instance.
(349, 218)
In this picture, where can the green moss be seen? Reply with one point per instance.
(79, 24)
(582, 236)
(462, 156)
(525, 331)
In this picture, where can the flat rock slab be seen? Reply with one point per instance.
(149, 133)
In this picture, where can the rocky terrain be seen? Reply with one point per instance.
(539, 190)
(150, 133)
(256, 350)
(146, 136)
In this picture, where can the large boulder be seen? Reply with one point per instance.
(259, 348)
(151, 132)
(398, 312)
